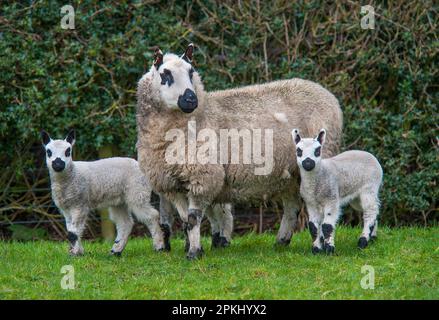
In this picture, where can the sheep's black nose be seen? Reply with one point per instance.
(188, 102)
(308, 164)
(58, 165)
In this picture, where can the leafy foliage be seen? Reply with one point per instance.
(385, 79)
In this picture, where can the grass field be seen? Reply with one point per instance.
(406, 264)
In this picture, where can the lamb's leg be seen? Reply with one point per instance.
(124, 224)
(331, 215)
(214, 225)
(75, 226)
(150, 217)
(221, 221)
(289, 219)
(180, 203)
(315, 229)
(195, 215)
(166, 220)
(369, 203)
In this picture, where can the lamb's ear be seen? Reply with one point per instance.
(45, 138)
(71, 137)
(296, 136)
(158, 57)
(321, 137)
(187, 55)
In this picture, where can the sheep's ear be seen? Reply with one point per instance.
(296, 136)
(45, 138)
(158, 57)
(71, 137)
(321, 137)
(187, 55)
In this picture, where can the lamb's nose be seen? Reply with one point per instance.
(58, 165)
(308, 164)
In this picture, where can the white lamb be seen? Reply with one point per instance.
(115, 183)
(352, 177)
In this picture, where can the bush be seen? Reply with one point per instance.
(385, 79)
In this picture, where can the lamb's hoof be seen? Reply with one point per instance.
(193, 255)
(362, 242)
(329, 249)
(373, 238)
(316, 250)
(166, 229)
(224, 243)
(76, 252)
(116, 253)
(283, 242)
(164, 249)
(186, 246)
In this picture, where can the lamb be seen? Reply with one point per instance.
(115, 183)
(173, 107)
(352, 177)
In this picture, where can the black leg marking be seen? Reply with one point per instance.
(72, 238)
(371, 228)
(223, 242)
(316, 250)
(116, 254)
(116, 241)
(328, 248)
(193, 217)
(362, 243)
(312, 230)
(322, 240)
(187, 244)
(216, 239)
(166, 235)
(327, 230)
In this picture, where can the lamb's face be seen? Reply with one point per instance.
(58, 152)
(308, 150)
(174, 78)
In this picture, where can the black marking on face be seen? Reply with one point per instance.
(317, 151)
(191, 73)
(68, 152)
(329, 213)
(49, 153)
(312, 230)
(299, 152)
(327, 230)
(72, 237)
(167, 77)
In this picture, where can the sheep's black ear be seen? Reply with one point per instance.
(158, 57)
(187, 55)
(322, 136)
(71, 137)
(45, 138)
(296, 136)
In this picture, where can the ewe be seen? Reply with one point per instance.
(327, 184)
(117, 183)
(173, 107)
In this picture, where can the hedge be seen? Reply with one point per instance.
(385, 78)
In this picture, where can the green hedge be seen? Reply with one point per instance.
(386, 79)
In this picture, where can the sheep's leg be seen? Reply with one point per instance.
(195, 215)
(289, 221)
(124, 224)
(180, 203)
(166, 220)
(221, 221)
(331, 215)
(315, 229)
(370, 206)
(75, 226)
(150, 217)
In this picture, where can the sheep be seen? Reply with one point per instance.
(115, 183)
(352, 177)
(172, 105)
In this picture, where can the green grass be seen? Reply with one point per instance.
(405, 261)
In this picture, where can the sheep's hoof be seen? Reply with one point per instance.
(283, 242)
(166, 229)
(193, 255)
(219, 241)
(116, 253)
(373, 238)
(165, 249)
(316, 250)
(362, 242)
(329, 249)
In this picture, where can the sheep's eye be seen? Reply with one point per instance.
(299, 152)
(167, 77)
(317, 151)
(68, 151)
(49, 153)
(191, 73)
